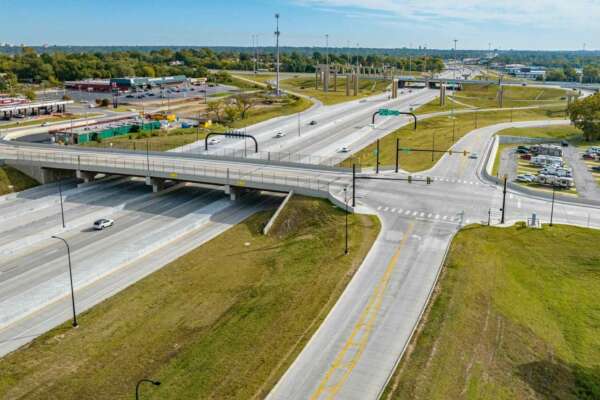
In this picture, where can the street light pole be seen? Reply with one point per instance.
(62, 210)
(455, 64)
(346, 205)
(137, 386)
(552, 209)
(70, 279)
(277, 33)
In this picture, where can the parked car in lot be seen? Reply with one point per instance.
(521, 147)
(588, 156)
(526, 178)
(525, 157)
(103, 223)
(596, 168)
(521, 151)
(564, 143)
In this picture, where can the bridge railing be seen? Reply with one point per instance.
(237, 154)
(184, 169)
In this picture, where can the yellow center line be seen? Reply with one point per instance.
(359, 336)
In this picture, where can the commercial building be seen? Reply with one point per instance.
(125, 84)
(103, 131)
(523, 71)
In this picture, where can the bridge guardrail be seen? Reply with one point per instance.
(177, 170)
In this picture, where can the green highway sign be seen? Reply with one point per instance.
(386, 112)
(406, 150)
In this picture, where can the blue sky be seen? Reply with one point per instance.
(518, 24)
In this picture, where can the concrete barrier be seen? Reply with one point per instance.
(269, 225)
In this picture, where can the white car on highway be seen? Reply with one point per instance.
(103, 223)
(343, 149)
(214, 141)
(280, 134)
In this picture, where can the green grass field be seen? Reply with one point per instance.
(567, 132)
(12, 180)
(515, 316)
(442, 128)
(485, 96)
(222, 322)
(306, 86)
(434, 106)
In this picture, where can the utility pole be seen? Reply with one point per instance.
(397, 153)
(346, 205)
(277, 33)
(353, 185)
(377, 163)
(582, 65)
(504, 200)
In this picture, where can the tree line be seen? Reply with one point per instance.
(29, 66)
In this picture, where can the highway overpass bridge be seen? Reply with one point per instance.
(50, 162)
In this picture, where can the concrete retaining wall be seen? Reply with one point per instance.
(269, 225)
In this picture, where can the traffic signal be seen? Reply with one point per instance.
(409, 179)
(429, 180)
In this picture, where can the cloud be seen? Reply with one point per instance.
(557, 14)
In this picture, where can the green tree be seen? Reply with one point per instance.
(585, 115)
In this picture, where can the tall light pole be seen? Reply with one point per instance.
(70, 279)
(582, 65)
(455, 61)
(327, 50)
(277, 33)
(137, 386)
(62, 210)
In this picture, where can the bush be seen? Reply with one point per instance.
(105, 103)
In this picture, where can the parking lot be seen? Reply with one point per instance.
(155, 95)
(529, 168)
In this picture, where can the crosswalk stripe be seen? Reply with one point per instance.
(415, 213)
(429, 215)
(399, 211)
(422, 214)
(407, 212)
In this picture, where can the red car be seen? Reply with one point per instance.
(525, 156)
(587, 156)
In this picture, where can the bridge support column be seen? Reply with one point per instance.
(156, 183)
(86, 176)
(233, 192)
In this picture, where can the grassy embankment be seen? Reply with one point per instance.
(12, 180)
(515, 316)
(442, 128)
(222, 322)
(485, 96)
(306, 86)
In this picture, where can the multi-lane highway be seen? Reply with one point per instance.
(354, 352)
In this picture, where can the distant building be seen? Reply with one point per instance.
(523, 71)
(124, 84)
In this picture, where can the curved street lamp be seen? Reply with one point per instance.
(70, 279)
